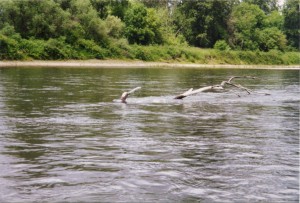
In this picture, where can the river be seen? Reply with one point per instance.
(63, 139)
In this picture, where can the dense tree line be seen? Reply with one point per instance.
(81, 29)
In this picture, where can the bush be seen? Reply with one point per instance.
(33, 48)
(271, 38)
(90, 49)
(9, 49)
(58, 49)
(142, 53)
(221, 45)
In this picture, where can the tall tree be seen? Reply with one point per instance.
(203, 22)
(93, 26)
(291, 12)
(252, 29)
(142, 25)
(266, 5)
(155, 3)
(102, 7)
(105, 8)
(39, 19)
(119, 8)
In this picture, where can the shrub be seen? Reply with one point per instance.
(90, 49)
(9, 49)
(58, 49)
(221, 45)
(33, 48)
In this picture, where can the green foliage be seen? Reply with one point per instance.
(115, 27)
(167, 28)
(150, 30)
(271, 38)
(89, 49)
(251, 29)
(9, 31)
(291, 12)
(104, 8)
(39, 19)
(119, 8)
(274, 19)
(9, 48)
(202, 23)
(101, 6)
(33, 48)
(93, 26)
(245, 20)
(142, 26)
(266, 5)
(58, 49)
(222, 45)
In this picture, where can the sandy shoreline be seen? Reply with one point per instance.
(132, 64)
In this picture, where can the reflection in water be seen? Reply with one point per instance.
(63, 139)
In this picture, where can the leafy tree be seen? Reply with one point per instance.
(244, 21)
(252, 29)
(119, 8)
(142, 25)
(10, 32)
(266, 5)
(274, 19)
(82, 29)
(115, 27)
(94, 28)
(291, 12)
(203, 22)
(64, 4)
(168, 28)
(38, 19)
(271, 38)
(101, 6)
(105, 8)
(155, 3)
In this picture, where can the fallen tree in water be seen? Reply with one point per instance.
(218, 88)
(214, 88)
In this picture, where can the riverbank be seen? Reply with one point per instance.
(132, 64)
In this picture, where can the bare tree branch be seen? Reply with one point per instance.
(249, 77)
(213, 88)
(216, 88)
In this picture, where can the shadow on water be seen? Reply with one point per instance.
(64, 139)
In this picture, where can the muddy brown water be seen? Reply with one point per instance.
(63, 139)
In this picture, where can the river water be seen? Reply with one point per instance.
(63, 139)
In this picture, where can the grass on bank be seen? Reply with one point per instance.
(59, 49)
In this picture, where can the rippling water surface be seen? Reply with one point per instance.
(63, 139)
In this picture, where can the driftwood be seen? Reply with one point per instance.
(126, 94)
(213, 88)
(221, 87)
